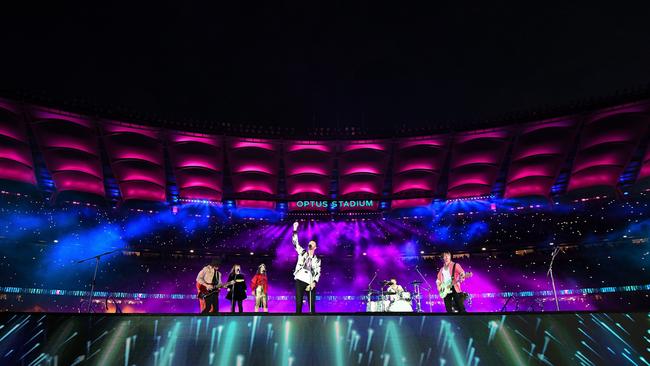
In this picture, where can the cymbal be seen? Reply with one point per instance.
(416, 282)
(369, 291)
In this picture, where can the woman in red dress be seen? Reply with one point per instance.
(260, 287)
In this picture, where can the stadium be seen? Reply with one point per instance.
(129, 238)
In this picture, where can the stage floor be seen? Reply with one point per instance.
(326, 339)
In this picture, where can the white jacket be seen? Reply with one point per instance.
(302, 257)
(205, 276)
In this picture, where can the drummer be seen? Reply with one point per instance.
(394, 288)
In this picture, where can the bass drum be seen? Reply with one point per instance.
(401, 306)
(374, 306)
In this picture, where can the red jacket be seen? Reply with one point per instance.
(456, 275)
(260, 280)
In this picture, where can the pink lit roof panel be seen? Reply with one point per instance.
(469, 190)
(140, 190)
(13, 170)
(645, 166)
(255, 204)
(410, 203)
(78, 181)
(418, 180)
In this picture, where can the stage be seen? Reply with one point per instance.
(583, 338)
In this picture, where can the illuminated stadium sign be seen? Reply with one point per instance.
(333, 205)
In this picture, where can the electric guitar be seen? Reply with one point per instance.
(203, 291)
(444, 288)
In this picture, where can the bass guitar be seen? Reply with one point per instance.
(203, 291)
(444, 288)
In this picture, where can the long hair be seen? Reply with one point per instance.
(232, 270)
(259, 269)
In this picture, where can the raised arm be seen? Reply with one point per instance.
(294, 239)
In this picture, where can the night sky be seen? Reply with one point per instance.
(308, 65)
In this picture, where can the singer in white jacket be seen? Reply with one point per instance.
(306, 273)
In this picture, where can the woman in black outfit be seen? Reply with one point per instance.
(236, 292)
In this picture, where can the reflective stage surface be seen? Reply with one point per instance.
(284, 339)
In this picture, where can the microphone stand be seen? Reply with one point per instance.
(369, 289)
(232, 294)
(311, 280)
(503, 309)
(92, 283)
(428, 289)
(372, 280)
(556, 251)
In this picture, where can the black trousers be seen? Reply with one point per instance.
(300, 295)
(454, 301)
(240, 305)
(211, 304)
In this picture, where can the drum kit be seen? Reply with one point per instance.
(385, 300)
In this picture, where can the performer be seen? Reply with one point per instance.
(452, 273)
(236, 291)
(394, 290)
(307, 272)
(260, 287)
(394, 287)
(208, 283)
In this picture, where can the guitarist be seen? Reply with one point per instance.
(452, 271)
(207, 281)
